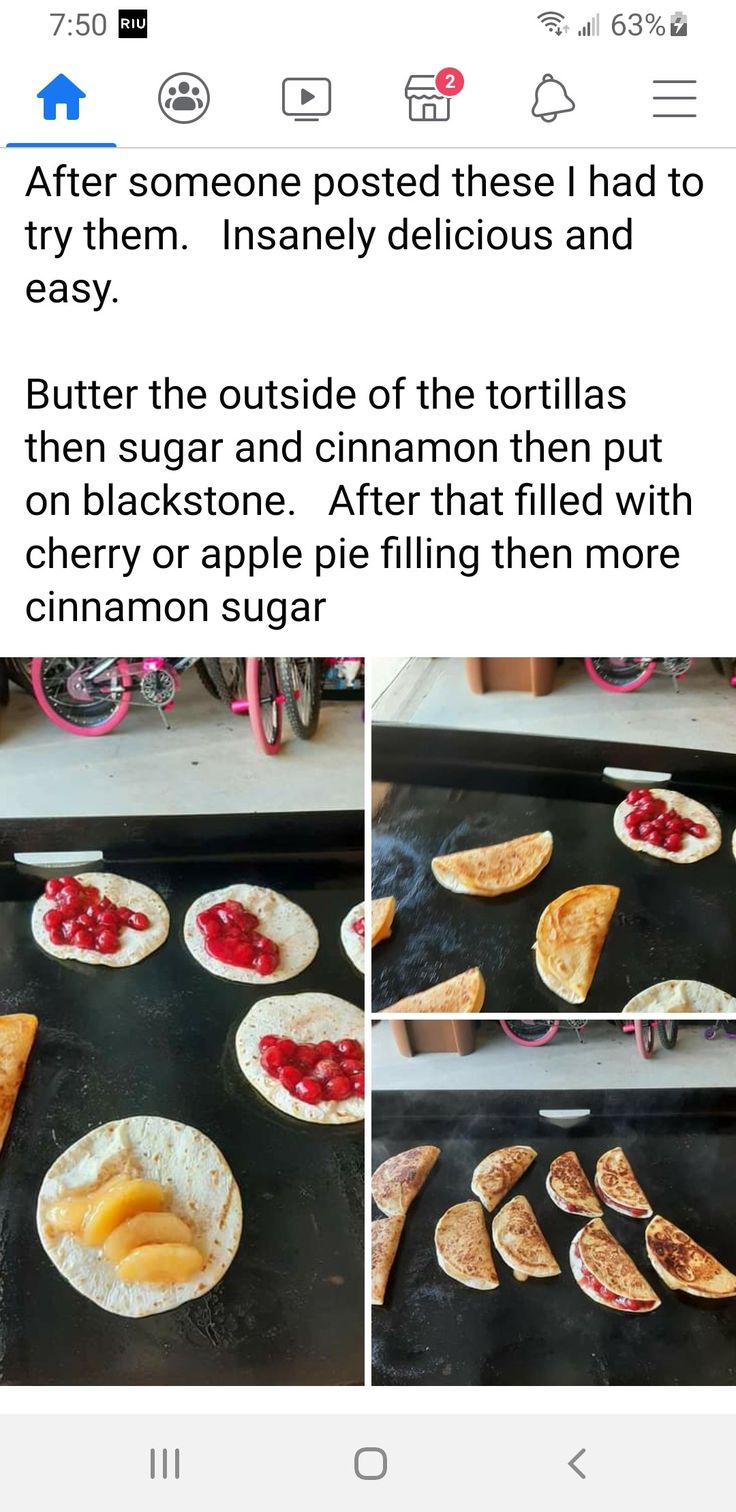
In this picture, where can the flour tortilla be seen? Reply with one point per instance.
(383, 912)
(17, 1034)
(200, 1187)
(461, 994)
(304, 1016)
(494, 1177)
(617, 1185)
(352, 943)
(463, 1247)
(679, 996)
(684, 1265)
(520, 1241)
(135, 945)
(493, 870)
(571, 934)
(611, 1265)
(385, 1236)
(283, 921)
(399, 1180)
(569, 1188)
(691, 849)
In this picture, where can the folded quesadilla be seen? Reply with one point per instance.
(684, 1265)
(521, 1243)
(499, 1172)
(460, 994)
(569, 1188)
(385, 1236)
(491, 870)
(398, 1181)
(571, 934)
(605, 1272)
(17, 1033)
(463, 1247)
(382, 918)
(618, 1187)
(352, 936)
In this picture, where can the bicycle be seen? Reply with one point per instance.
(92, 696)
(263, 703)
(643, 1030)
(263, 687)
(533, 1033)
(625, 674)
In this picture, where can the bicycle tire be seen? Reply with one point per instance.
(228, 677)
(201, 669)
(19, 672)
(644, 1031)
(303, 676)
(261, 691)
(518, 1030)
(604, 674)
(668, 1032)
(41, 670)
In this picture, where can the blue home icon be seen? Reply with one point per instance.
(61, 91)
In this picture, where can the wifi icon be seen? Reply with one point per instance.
(552, 21)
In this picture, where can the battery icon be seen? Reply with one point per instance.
(678, 24)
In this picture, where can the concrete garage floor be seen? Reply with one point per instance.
(701, 716)
(606, 1058)
(208, 762)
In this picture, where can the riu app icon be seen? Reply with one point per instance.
(132, 23)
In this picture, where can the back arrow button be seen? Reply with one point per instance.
(573, 1463)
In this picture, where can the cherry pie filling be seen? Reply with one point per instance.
(568, 1207)
(624, 1304)
(85, 918)
(651, 820)
(231, 935)
(326, 1071)
(621, 1207)
(359, 926)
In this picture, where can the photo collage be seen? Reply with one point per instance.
(367, 1022)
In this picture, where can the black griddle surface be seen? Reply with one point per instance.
(158, 1038)
(434, 1331)
(671, 921)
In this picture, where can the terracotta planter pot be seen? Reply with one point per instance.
(416, 1038)
(503, 674)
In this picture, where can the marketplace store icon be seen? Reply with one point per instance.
(430, 95)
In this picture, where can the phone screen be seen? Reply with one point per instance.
(406, 332)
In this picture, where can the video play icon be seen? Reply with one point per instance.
(306, 99)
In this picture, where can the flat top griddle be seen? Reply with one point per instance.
(434, 1331)
(158, 1038)
(671, 921)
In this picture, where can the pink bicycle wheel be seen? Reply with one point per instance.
(547, 1031)
(52, 678)
(644, 1031)
(265, 704)
(628, 683)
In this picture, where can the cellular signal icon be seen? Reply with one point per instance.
(592, 27)
(553, 21)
